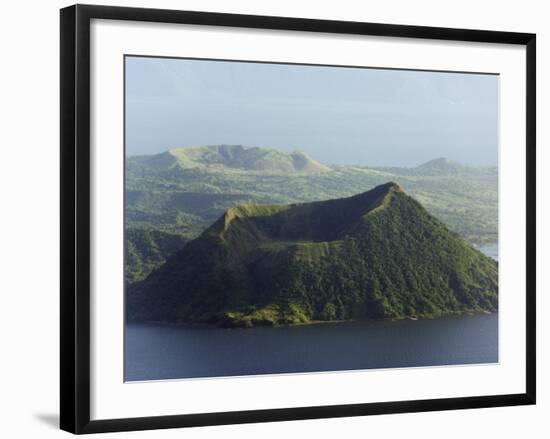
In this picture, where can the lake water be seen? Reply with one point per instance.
(490, 250)
(166, 352)
(163, 352)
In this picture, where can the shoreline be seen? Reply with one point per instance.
(311, 322)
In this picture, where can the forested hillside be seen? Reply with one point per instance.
(378, 254)
(183, 191)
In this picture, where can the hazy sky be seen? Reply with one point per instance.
(336, 115)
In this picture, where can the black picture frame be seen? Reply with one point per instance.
(75, 217)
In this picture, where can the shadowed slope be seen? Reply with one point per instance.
(378, 254)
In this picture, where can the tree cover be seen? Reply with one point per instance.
(180, 193)
(378, 254)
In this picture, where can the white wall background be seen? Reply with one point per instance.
(29, 248)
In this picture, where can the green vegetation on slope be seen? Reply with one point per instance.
(147, 249)
(183, 191)
(378, 254)
(188, 200)
(234, 157)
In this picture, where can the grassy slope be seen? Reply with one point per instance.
(180, 196)
(191, 199)
(379, 254)
(147, 249)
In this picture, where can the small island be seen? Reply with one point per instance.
(375, 255)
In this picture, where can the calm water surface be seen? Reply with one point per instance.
(161, 352)
(490, 250)
(164, 352)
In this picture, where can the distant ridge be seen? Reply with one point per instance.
(235, 157)
(440, 163)
(377, 254)
(444, 166)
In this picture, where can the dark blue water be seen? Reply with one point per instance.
(163, 352)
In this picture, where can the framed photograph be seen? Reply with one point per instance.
(273, 218)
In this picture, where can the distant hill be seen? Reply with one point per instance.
(234, 157)
(443, 166)
(183, 191)
(378, 254)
